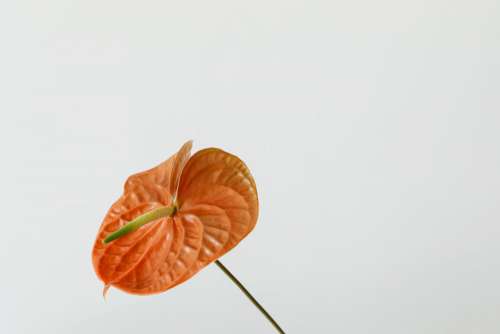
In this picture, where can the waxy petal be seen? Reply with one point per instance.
(217, 188)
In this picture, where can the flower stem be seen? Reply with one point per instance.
(165, 211)
(249, 296)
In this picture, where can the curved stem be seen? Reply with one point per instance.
(165, 211)
(249, 295)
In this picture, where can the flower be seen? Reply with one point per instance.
(174, 219)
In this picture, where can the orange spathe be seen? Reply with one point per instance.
(217, 206)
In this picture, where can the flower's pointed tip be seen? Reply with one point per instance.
(188, 144)
(105, 291)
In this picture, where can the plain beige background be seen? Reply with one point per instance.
(371, 127)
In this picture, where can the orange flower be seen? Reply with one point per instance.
(175, 219)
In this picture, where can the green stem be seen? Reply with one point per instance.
(133, 225)
(249, 296)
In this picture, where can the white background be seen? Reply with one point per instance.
(371, 127)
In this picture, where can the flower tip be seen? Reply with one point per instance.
(105, 291)
(188, 144)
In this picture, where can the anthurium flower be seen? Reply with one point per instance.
(174, 219)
